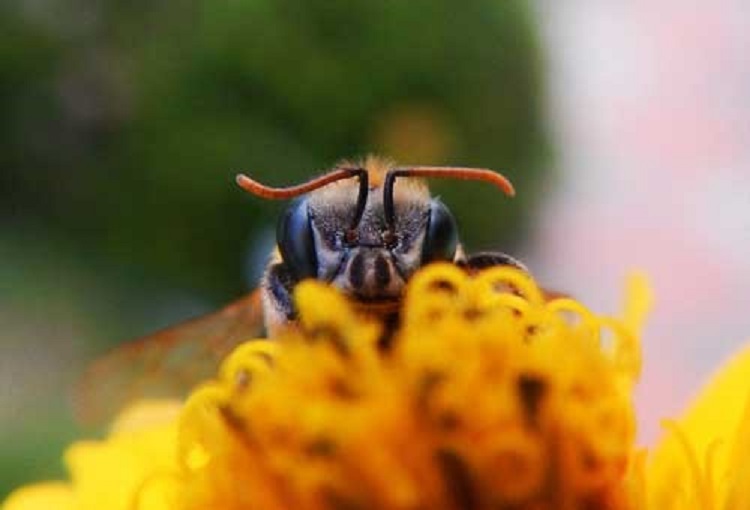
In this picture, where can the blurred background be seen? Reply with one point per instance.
(625, 129)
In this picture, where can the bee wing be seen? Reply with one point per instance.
(167, 363)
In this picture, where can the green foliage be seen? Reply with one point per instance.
(125, 124)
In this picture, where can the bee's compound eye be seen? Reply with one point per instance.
(441, 238)
(295, 239)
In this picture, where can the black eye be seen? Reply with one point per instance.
(441, 239)
(295, 238)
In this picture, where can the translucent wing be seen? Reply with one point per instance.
(167, 363)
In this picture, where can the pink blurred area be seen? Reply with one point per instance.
(650, 106)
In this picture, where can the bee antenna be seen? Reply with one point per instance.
(469, 174)
(337, 174)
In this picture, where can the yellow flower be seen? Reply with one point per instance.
(485, 396)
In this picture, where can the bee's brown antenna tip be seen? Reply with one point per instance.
(248, 184)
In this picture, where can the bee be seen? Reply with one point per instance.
(364, 228)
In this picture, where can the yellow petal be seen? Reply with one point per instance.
(702, 460)
(42, 496)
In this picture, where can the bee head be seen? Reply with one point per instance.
(367, 229)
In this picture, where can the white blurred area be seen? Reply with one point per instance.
(650, 110)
